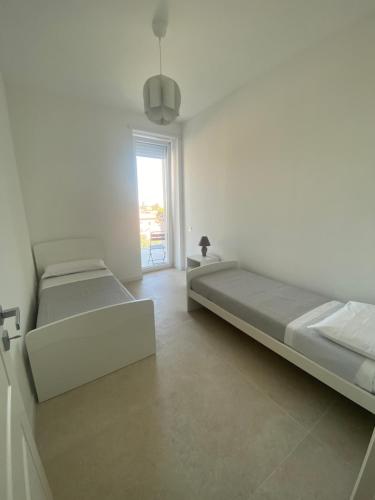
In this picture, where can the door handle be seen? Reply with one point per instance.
(13, 312)
(7, 339)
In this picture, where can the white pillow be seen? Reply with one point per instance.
(72, 267)
(352, 326)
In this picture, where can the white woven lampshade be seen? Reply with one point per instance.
(162, 99)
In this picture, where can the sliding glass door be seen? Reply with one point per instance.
(153, 171)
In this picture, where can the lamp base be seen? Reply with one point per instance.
(204, 251)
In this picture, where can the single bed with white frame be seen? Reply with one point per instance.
(353, 391)
(107, 331)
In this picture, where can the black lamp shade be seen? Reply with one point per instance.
(204, 242)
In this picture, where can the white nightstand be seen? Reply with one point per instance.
(198, 260)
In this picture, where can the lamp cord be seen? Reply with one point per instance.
(160, 53)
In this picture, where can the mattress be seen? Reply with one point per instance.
(267, 304)
(68, 299)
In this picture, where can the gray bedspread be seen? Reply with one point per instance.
(59, 302)
(264, 303)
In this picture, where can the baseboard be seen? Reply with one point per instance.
(129, 279)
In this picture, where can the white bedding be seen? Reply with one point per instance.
(350, 365)
(352, 326)
(307, 319)
(73, 267)
(365, 376)
(71, 278)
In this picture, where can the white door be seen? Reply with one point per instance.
(22, 475)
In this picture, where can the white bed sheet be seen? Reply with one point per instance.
(307, 319)
(363, 373)
(71, 278)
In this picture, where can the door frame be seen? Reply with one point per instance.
(174, 198)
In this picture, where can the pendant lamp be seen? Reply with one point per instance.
(161, 94)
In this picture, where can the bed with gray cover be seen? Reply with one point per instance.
(88, 323)
(271, 306)
(69, 299)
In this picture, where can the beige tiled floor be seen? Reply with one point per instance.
(213, 415)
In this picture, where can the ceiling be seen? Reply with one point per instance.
(105, 49)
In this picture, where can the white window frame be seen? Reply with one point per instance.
(173, 198)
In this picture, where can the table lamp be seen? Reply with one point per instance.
(204, 243)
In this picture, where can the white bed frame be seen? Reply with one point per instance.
(195, 300)
(76, 350)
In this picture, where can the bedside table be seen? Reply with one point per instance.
(198, 260)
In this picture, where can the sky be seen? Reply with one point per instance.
(150, 180)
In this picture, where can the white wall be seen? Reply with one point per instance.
(282, 173)
(17, 278)
(77, 171)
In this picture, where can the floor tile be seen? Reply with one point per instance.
(312, 472)
(347, 428)
(304, 397)
(131, 458)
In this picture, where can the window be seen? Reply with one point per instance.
(154, 199)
